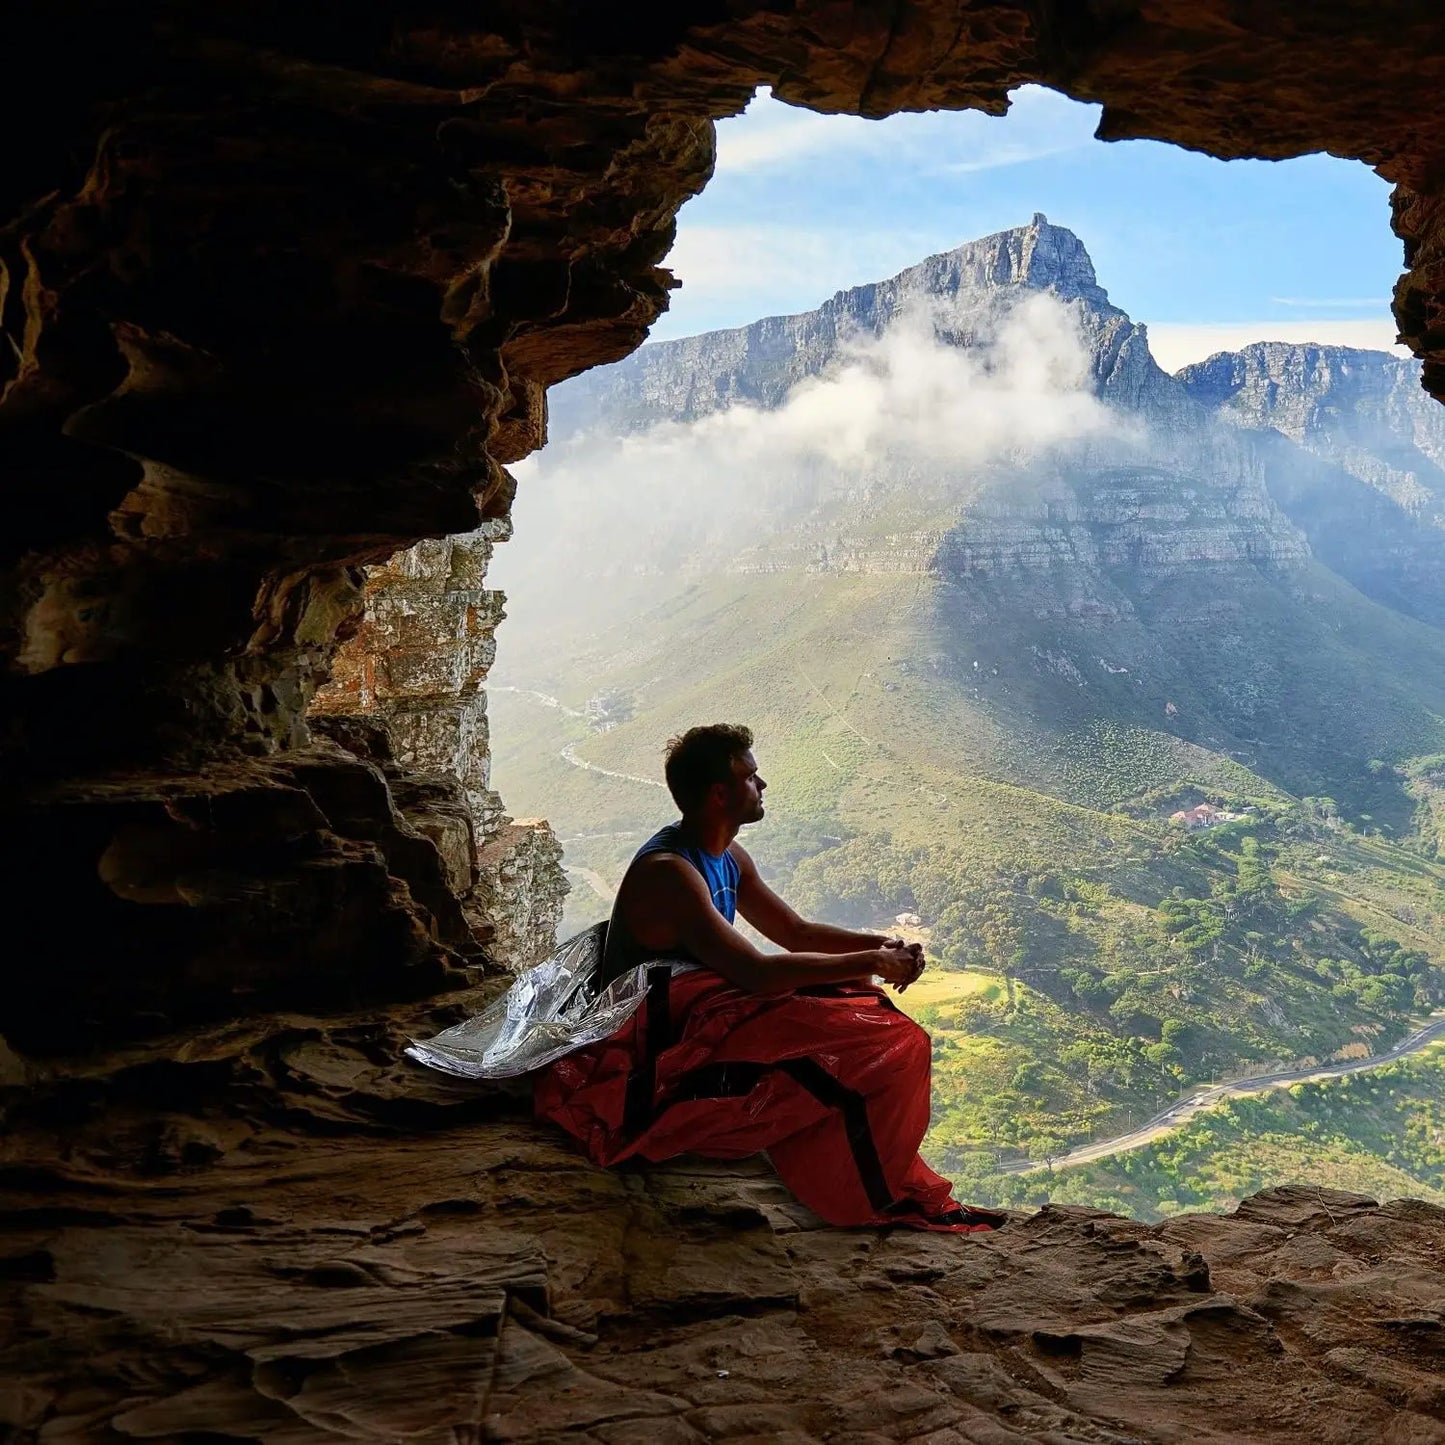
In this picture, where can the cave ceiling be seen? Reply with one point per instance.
(283, 286)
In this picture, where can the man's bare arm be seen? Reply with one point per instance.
(677, 898)
(775, 919)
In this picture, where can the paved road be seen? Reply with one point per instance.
(545, 698)
(1187, 1108)
(569, 755)
(594, 880)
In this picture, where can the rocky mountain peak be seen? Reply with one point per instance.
(1363, 409)
(966, 288)
(1040, 255)
(1355, 454)
(1259, 376)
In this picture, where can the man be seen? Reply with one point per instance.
(735, 1051)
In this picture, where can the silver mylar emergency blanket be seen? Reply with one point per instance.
(552, 1009)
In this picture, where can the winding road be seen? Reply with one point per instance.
(569, 755)
(545, 698)
(1186, 1108)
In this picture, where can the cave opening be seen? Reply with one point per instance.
(283, 294)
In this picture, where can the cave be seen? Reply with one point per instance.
(283, 290)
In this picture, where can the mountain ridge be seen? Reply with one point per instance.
(968, 298)
(1039, 256)
(982, 679)
(1354, 453)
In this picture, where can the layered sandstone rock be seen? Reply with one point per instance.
(416, 660)
(399, 1258)
(284, 295)
(411, 671)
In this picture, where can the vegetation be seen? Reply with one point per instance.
(947, 754)
(1380, 1132)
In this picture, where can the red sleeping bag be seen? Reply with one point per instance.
(833, 1082)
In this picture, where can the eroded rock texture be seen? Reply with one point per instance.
(419, 1263)
(406, 690)
(282, 288)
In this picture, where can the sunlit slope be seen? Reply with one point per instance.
(993, 619)
(1379, 1133)
(871, 716)
(869, 691)
(1021, 807)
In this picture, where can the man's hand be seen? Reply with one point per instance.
(899, 963)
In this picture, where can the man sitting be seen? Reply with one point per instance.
(735, 1051)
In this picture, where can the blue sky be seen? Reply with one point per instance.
(1209, 253)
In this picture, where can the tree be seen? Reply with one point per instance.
(1045, 1149)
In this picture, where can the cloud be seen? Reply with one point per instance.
(1326, 303)
(770, 133)
(1039, 123)
(908, 396)
(1176, 344)
(894, 413)
(786, 222)
(773, 266)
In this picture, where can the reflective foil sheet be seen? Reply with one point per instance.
(552, 1009)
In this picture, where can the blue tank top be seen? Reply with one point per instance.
(720, 873)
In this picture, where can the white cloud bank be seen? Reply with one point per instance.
(897, 411)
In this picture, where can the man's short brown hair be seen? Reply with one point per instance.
(700, 757)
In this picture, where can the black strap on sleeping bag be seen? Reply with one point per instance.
(657, 1026)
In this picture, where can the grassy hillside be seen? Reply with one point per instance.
(1007, 776)
(1380, 1132)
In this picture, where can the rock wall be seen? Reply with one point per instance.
(1354, 452)
(283, 295)
(413, 669)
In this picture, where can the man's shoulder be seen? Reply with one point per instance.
(660, 866)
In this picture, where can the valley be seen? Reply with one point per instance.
(984, 675)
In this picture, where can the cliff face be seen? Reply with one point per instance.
(962, 290)
(406, 692)
(1157, 485)
(1354, 453)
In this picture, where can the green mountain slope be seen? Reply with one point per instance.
(980, 693)
(1379, 1133)
(1166, 957)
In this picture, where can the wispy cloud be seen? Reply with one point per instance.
(769, 133)
(1328, 303)
(904, 404)
(1040, 123)
(1178, 344)
(797, 266)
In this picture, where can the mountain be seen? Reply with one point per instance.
(1140, 567)
(1000, 597)
(1354, 453)
(697, 376)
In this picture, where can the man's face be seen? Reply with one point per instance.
(745, 794)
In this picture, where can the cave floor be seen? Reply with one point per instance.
(364, 1252)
